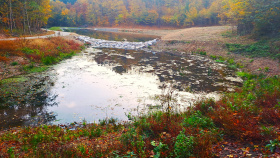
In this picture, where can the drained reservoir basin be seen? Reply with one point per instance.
(98, 84)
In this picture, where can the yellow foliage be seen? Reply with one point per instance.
(65, 12)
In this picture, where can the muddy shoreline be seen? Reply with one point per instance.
(212, 40)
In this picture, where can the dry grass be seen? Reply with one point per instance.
(2, 36)
(42, 33)
(23, 51)
(197, 33)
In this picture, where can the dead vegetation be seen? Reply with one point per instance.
(18, 55)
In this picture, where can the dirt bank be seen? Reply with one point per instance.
(211, 40)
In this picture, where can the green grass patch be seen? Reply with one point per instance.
(258, 49)
(214, 57)
(55, 29)
(178, 42)
(49, 60)
(228, 34)
(219, 61)
(14, 79)
(27, 50)
(34, 69)
(14, 63)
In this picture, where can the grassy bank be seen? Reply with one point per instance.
(243, 123)
(38, 52)
(29, 56)
(55, 29)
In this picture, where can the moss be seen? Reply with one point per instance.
(14, 79)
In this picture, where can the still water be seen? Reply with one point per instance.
(106, 83)
(113, 35)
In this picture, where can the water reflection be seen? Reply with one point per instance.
(115, 83)
(192, 72)
(113, 36)
(31, 112)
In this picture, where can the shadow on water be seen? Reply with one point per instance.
(113, 36)
(25, 103)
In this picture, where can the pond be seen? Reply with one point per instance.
(115, 83)
(112, 35)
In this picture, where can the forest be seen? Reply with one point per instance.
(24, 16)
(259, 17)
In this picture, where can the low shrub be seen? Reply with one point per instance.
(48, 60)
(199, 121)
(184, 145)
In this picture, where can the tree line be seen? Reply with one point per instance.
(135, 12)
(259, 17)
(25, 16)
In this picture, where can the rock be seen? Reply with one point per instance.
(99, 43)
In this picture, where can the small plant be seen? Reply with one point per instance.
(267, 131)
(128, 155)
(129, 136)
(258, 49)
(246, 75)
(232, 66)
(214, 57)
(95, 132)
(11, 152)
(27, 50)
(103, 122)
(272, 145)
(14, 63)
(84, 122)
(184, 145)
(158, 148)
(139, 144)
(36, 139)
(202, 53)
(198, 120)
(48, 60)
(82, 149)
(113, 121)
(219, 61)
(228, 34)
(230, 61)
(266, 69)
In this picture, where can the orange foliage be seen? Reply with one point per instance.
(243, 122)
(39, 48)
(8, 48)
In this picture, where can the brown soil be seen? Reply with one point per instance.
(197, 34)
(210, 40)
(7, 70)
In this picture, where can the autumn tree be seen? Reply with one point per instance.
(253, 16)
(24, 16)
